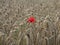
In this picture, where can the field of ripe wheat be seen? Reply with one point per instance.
(29, 22)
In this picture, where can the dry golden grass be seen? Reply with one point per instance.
(15, 30)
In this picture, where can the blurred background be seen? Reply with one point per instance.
(15, 30)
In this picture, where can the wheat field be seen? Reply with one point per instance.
(15, 30)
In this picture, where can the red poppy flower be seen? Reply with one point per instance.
(31, 19)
